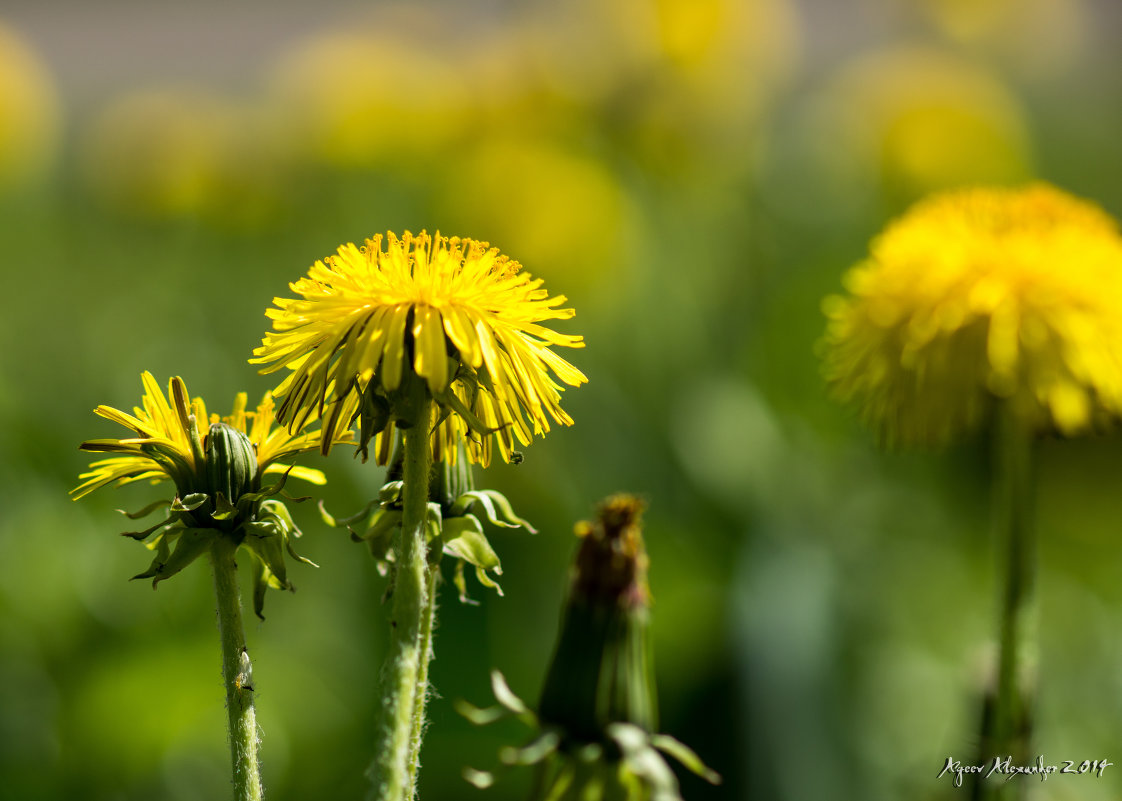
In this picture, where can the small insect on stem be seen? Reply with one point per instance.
(244, 679)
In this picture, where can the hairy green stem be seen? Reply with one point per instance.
(1007, 718)
(390, 773)
(237, 674)
(418, 731)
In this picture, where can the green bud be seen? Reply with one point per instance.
(601, 671)
(230, 467)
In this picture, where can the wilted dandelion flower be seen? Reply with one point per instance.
(983, 294)
(217, 476)
(378, 327)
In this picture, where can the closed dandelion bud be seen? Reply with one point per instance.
(595, 735)
(231, 462)
(601, 671)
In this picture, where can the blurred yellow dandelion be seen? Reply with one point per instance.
(376, 325)
(972, 295)
(29, 112)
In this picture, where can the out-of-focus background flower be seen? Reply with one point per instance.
(695, 175)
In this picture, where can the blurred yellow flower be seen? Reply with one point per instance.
(357, 99)
(926, 120)
(1036, 35)
(684, 79)
(29, 111)
(379, 324)
(181, 152)
(972, 295)
(585, 203)
(167, 444)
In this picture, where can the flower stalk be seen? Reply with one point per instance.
(237, 674)
(1007, 718)
(396, 754)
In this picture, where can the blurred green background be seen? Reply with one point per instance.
(695, 177)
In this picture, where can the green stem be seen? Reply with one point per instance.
(237, 674)
(390, 772)
(1007, 721)
(418, 730)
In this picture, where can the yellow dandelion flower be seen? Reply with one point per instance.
(377, 327)
(982, 294)
(164, 447)
(218, 480)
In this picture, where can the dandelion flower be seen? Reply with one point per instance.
(983, 294)
(376, 328)
(218, 478)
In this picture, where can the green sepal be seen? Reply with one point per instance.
(479, 779)
(188, 503)
(480, 716)
(190, 544)
(686, 756)
(463, 538)
(265, 541)
(143, 535)
(450, 399)
(147, 510)
(269, 491)
(223, 509)
(434, 521)
(373, 415)
(533, 752)
(498, 508)
(461, 584)
(263, 579)
(379, 537)
(344, 522)
(390, 493)
(289, 530)
(644, 763)
(506, 696)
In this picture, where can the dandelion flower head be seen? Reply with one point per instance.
(376, 327)
(976, 295)
(167, 446)
(217, 477)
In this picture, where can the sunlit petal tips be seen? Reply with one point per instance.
(168, 443)
(983, 294)
(374, 326)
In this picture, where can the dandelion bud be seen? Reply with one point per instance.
(231, 462)
(601, 670)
